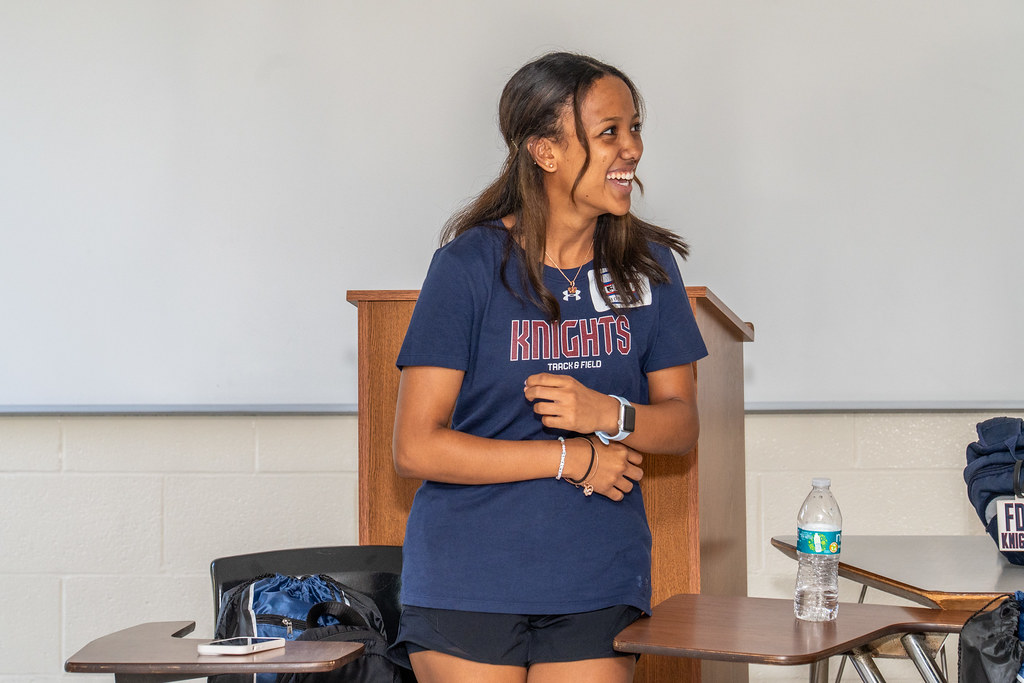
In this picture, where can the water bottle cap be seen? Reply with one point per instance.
(821, 482)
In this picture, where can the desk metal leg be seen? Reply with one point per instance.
(819, 671)
(865, 666)
(925, 664)
(842, 662)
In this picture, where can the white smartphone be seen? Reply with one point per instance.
(239, 646)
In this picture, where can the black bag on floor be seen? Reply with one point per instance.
(990, 650)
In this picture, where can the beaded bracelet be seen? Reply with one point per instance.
(561, 464)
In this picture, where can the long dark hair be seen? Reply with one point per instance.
(531, 107)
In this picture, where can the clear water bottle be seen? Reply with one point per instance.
(819, 536)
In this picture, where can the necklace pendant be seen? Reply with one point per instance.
(571, 291)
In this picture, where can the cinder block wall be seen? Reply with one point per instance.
(108, 521)
(112, 521)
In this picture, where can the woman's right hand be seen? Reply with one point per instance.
(616, 467)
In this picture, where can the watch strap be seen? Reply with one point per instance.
(622, 433)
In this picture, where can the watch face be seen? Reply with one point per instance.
(628, 418)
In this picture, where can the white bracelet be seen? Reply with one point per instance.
(561, 465)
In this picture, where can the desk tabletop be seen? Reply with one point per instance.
(764, 630)
(952, 572)
(159, 649)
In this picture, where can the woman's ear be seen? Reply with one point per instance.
(542, 151)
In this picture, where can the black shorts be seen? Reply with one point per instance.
(512, 639)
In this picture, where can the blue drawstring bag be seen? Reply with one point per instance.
(315, 607)
(994, 472)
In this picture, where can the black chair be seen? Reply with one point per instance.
(375, 570)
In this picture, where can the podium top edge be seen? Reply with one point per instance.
(745, 329)
(354, 296)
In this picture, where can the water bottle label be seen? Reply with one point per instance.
(819, 542)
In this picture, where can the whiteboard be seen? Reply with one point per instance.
(188, 189)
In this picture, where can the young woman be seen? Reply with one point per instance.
(550, 346)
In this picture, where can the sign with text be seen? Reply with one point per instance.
(1010, 523)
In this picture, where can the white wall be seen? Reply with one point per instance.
(202, 181)
(111, 521)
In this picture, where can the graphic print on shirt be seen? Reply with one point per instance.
(577, 343)
(616, 298)
(583, 342)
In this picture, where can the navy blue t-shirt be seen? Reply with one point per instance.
(538, 546)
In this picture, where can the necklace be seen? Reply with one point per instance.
(571, 291)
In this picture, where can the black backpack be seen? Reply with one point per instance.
(373, 666)
(990, 650)
(313, 607)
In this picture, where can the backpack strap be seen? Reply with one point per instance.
(345, 614)
(1017, 484)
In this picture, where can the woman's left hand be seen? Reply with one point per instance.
(564, 403)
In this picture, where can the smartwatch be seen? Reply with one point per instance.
(627, 421)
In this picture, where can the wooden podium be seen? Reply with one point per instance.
(696, 504)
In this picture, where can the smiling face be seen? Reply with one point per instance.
(610, 124)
